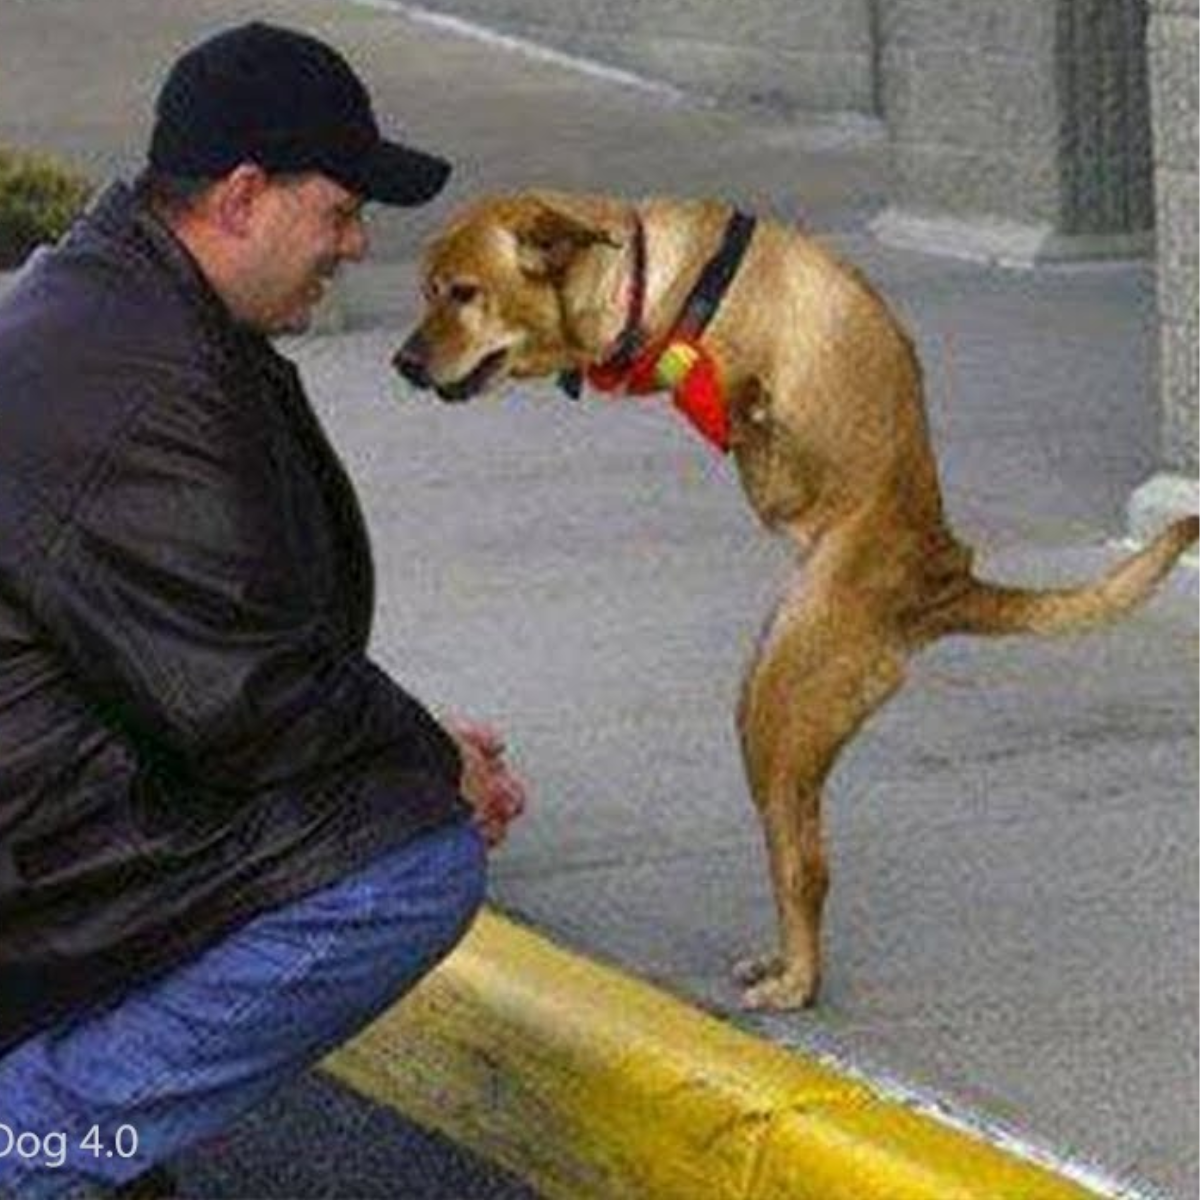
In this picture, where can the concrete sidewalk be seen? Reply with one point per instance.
(1012, 927)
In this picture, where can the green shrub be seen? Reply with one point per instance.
(39, 198)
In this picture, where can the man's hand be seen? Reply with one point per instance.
(492, 790)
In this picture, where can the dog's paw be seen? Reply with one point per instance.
(789, 989)
(756, 968)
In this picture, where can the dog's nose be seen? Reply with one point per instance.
(410, 361)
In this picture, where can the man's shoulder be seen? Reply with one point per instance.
(95, 340)
(105, 310)
(92, 289)
(79, 336)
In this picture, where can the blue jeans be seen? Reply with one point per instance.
(90, 1104)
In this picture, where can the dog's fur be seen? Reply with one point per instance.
(829, 433)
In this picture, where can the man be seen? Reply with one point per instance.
(227, 838)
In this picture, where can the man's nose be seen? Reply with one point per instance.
(411, 358)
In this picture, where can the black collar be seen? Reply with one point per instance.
(705, 298)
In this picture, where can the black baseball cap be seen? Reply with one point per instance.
(290, 103)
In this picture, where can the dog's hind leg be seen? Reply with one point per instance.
(823, 666)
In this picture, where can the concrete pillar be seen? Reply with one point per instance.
(1172, 53)
(1020, 129)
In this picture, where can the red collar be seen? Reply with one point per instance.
(610, 373)
(679, 360)
(690, 373)
(631, 338)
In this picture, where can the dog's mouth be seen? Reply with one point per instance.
(474, 383)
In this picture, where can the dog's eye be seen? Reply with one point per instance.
(463, 293)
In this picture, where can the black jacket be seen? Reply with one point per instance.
(190, 728)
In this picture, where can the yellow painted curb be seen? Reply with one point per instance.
(594, 1086)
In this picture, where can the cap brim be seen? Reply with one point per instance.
(395, 174)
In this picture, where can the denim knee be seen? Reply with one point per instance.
(468, 883)
(429, 894)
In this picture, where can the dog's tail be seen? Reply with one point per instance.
(989, 609)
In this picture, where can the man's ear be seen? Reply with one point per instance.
(550, 239)
(235, 199)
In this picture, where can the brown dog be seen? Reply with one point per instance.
(822, 393)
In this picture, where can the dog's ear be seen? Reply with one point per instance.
(550, 238)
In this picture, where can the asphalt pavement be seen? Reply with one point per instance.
(1012, 930)
(318, 1140)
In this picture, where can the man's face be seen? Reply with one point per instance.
(303, 229)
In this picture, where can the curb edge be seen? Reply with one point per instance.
(593, 1085)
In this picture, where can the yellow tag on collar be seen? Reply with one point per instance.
(674, 363)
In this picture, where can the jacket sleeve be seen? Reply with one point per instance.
(181, 593)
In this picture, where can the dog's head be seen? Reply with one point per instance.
(509, 286)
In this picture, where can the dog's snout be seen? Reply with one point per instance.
(411, 359)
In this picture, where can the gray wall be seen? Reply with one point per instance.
(1019, 129)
